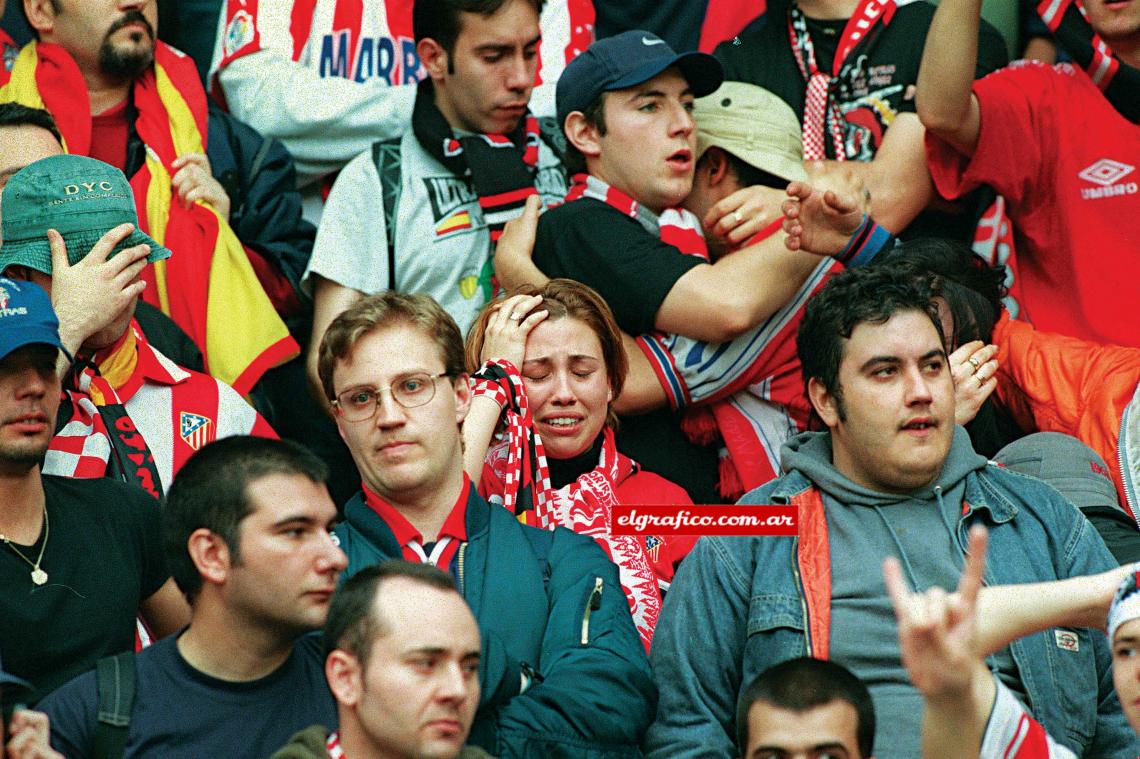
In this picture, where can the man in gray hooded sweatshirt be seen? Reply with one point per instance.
(891, 476)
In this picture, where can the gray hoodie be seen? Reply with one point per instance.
(864, 527)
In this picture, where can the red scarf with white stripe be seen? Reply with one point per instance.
(333, 746)
(675, 226)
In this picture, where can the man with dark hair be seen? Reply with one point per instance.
(78, 559)
(329, 84)
(207, 185)
(247, 527)
(402, 660)
(423, 213)
(806, 707)
(562, 666)
(892, 475)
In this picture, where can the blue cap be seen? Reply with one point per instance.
(625, 60)
(26, 317)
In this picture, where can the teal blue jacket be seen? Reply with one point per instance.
(551, 600)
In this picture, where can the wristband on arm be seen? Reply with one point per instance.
(867, 242)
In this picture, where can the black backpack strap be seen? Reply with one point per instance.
(386, 156)
(551, 133)
(115, 681)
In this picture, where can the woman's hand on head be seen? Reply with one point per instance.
(973, 368)
(507, 330)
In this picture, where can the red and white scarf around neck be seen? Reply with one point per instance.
(584, 506)
(820, 109)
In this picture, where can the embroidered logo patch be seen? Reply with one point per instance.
(239, 33)
(1107, 175)
(653, 546)
(1067, 640)
(1106, 172)
(195, 429)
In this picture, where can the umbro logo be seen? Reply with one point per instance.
(1107, 173)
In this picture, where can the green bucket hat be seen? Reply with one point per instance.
(79, 197)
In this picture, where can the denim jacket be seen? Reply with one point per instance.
(740, 605)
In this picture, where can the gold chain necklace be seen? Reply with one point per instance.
(39, 577)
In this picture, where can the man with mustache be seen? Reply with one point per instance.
(78, 558)
(891, 476)
(120, 96)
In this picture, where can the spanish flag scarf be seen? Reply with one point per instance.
(208, 287)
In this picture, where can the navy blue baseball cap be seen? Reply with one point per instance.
(625, 60)
(26, 317)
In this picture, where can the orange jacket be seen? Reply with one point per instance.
(1055, 383)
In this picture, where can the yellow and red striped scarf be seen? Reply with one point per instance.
(209, 286)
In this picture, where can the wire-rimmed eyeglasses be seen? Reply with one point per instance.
(359, 404)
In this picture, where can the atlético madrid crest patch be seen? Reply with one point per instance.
(195, 429)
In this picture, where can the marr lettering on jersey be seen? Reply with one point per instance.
(374, 58)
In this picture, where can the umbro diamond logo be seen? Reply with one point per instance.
(1106, 172)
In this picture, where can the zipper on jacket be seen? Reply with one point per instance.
(594, 602)
(462, 551)
(1125, 475)
(803, 595)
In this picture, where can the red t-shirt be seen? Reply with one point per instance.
(451, 534)
(1066, 162)
(110, 131)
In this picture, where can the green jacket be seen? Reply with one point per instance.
(551, 600)
(310, 744)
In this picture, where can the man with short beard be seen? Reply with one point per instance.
(74, 571)
(137, 104)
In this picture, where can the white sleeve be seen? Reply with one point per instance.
(324, 122)
(351, 248)
(1012, 734)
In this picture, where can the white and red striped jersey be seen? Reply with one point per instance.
(176, 410)
(330, 77)
(1013, 734)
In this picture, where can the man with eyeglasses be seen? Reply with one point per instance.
(562, 669)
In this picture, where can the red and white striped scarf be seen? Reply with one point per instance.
(584, 506)
(821, 111)
(333, 746)
(675, 226)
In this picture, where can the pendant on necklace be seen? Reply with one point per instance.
(39, 577)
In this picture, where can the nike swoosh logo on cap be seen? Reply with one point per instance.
(647, 41)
